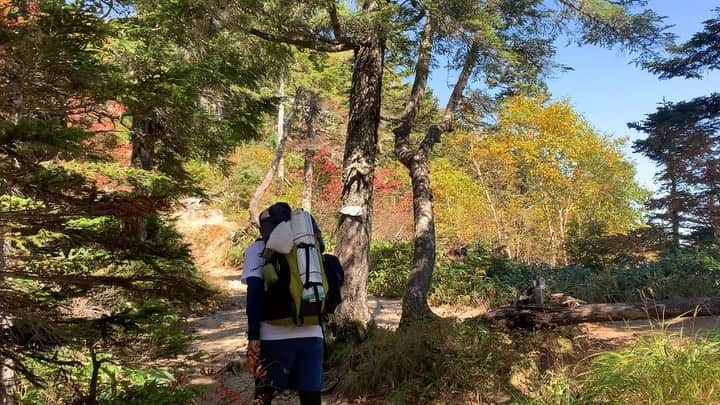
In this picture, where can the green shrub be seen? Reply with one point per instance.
(480, 279)
(454, 282)
(389, 267)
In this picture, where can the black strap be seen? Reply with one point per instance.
(320, 320)
(307, 268)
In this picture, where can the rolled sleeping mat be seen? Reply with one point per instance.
(302, 227)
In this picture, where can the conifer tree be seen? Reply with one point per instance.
(69, 281)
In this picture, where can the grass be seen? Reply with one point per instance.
(660, 369)
(444, 361)
(663, 368)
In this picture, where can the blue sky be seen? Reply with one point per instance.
(609, 91)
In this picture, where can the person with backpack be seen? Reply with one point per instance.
(290, 292)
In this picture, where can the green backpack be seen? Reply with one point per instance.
(296, 284)
(285, 301)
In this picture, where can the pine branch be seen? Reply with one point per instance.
(318, 44)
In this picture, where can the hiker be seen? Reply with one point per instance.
(285, 334)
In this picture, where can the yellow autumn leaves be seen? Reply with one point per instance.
(536, 177)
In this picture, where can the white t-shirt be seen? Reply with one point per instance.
(252, 267)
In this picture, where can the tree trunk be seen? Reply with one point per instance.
(144, 135)
(417, 161)
(674, 212)
(353, 234)
(7, 381)
(307, 189)
(414, 303)
(7, 374)
(534, 317)
(310, 116)
(281, 133)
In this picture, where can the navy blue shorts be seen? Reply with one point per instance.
(292, 363)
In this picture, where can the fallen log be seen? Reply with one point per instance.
(547, 316)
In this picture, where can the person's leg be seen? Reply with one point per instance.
(307, 373)
(277, 360)
(310, 398)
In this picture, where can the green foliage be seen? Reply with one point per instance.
(657, 369)
(72, 278)
(188, 81)
(693, 58)
(481, 279)
(389, 267)
(14, 203)
(677, 274)
(454, 282)
(49, 53)
(443, 361)
(117, 384)
(681, 140)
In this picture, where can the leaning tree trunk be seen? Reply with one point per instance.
(352, 318)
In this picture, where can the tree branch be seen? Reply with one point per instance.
(432, 135)
(422, 71)
(335, 23)
(579, 9)
(315, 44)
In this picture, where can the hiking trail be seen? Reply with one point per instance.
(219, 335)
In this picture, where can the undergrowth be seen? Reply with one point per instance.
(443, 361)
(663, 368)
(481, 279)
(446, 362)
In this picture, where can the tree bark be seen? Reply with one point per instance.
(7, 374)
(414, 302)
(674, 209)
(281, 132)
(352, 317)
(310, 116)
(307, 190)
(143, 138)
(534, 317)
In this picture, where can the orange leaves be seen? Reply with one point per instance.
(14, 13)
